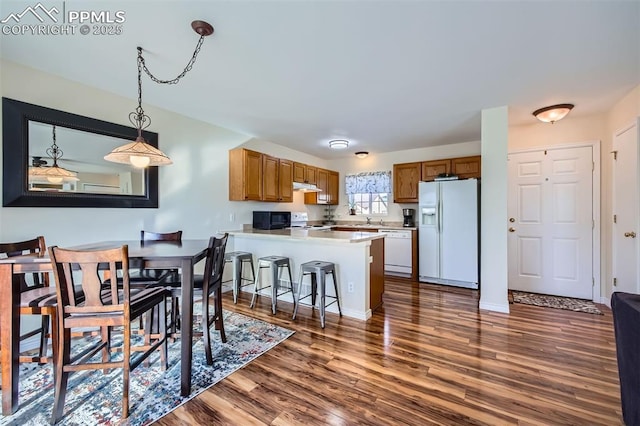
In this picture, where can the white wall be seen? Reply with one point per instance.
(193, 191)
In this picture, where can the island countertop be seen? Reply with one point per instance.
(326, 236)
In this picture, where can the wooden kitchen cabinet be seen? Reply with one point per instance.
(405, 182)
(466, 167)
(277, 179)
(285, 181)
(304, 173)
(245, 175)
(431, 169)
(328, 182)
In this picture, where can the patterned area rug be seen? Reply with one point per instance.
(95, 399)
(577, 305)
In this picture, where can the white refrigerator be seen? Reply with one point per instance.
(448, 232)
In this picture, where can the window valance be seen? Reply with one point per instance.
(368, 182)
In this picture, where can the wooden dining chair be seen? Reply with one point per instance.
(36, 297)
(206, 286)
(104, 308)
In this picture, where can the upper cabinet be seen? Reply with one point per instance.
(431, 169)
(245, 175)
(261, 177)
(405, 182)
(466, 167)
(407, 175)
(304, 173)
(327, 181)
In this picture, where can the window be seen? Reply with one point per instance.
(368, 193)
(369, 204)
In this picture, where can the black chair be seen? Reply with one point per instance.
(626, 323)
(205, 286)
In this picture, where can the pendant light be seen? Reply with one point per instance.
(139, 153)
(52, 174)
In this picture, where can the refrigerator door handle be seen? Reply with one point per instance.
(438, 215)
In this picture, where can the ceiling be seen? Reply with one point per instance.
(385, 75)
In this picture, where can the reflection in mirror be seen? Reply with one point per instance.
(80, 153)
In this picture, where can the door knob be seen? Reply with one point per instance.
(512, 229)
(630, 234)
(512, 219)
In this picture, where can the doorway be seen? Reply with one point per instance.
(552, 211)
(625, 210)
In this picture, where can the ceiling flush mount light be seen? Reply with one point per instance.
(338, 144)
(553, 113)
(362, 154)
(53, 174)
(139, 153)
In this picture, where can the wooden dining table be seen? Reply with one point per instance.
(149, 254)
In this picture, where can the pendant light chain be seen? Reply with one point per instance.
(54, 151)
(184, 72)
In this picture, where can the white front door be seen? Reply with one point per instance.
(550, 222)
(625, 210)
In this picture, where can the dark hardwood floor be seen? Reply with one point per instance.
(428, 356)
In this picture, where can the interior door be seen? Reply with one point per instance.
(625, 210)
(550, 222)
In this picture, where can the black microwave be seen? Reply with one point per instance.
(271, 220)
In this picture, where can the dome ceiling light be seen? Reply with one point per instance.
(553, 113)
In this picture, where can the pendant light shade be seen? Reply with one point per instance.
(39, 172)
(139, 153)
(553, 113)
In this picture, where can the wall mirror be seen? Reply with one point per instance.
(28, 136)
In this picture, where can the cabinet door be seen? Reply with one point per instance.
(322, 182)
(311, 174)
(334, 178)
(405, 182)
(245, 175)
(285, 178)
(431, 169)
(299, 172)
(270, 184)
(466, 167)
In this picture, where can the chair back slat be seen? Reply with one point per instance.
(88, 264)
(214, 264)
(21, 248)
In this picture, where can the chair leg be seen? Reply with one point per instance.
(256, 280)
(295, 306)
(335, 286)
(205, 328)
(314, 290)
(293, 293)
(44, 331)
(275, 280)
(237, 278)
(219, 317)
(125, 370)
(162, 318)
(323, 282)
(105, 332)
(61, 377)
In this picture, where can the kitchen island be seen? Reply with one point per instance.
(359, 259)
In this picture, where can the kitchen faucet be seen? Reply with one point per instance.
(368, 220)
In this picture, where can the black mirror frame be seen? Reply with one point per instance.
(15, 159)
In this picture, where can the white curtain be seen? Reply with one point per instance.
(368, 182)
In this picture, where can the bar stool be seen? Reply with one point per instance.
(318, 268)
(237, 259)
(275, 263)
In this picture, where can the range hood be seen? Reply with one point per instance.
(305, 187)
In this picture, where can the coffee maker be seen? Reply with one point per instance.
(408, 217)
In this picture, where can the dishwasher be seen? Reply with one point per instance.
(397, 252)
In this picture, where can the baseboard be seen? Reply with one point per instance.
(494, 307)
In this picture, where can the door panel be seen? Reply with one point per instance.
(625, 209)
(550, 238)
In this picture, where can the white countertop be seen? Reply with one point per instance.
(309, 234)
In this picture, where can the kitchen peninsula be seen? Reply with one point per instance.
(359, 259)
